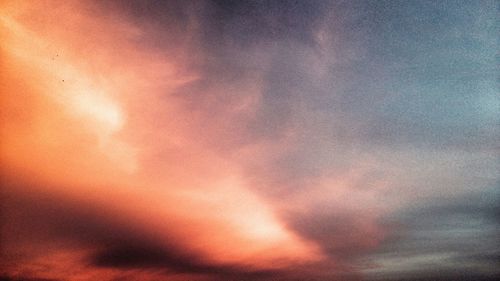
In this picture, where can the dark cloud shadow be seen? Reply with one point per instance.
(38, 220)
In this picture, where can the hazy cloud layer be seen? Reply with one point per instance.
(249, 140)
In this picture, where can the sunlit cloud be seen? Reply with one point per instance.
(247, 141)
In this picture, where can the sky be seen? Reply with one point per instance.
(249, 140)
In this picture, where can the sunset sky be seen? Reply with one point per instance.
(249, 140)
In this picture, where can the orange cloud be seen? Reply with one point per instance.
(88, 116)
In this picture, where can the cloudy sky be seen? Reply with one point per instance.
(249, 140)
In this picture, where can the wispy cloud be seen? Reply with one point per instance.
(264, 140)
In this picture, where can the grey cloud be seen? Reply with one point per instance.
(444, 238)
